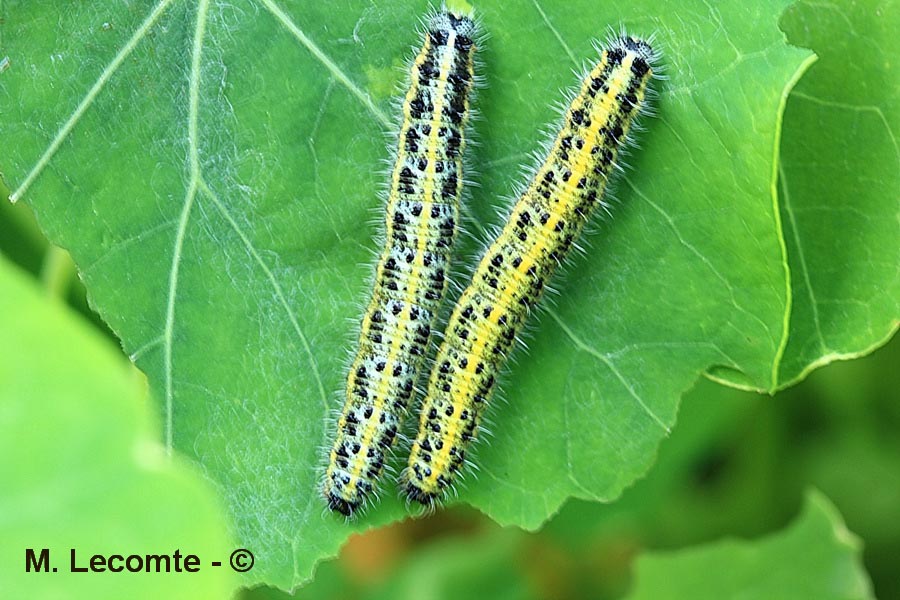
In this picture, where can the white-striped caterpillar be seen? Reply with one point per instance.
(514, 269)
(411, 276)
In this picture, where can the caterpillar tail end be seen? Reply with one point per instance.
(414, 492)
(340, 505)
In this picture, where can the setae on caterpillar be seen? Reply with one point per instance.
(411, 276)
(514, 269)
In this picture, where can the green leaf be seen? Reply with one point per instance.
(816, 558)
(839, 179)
(212, 168)
(83, 468)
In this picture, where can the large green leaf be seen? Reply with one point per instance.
(83, 468)
(816, 558)
(840, 183)
(212, 167)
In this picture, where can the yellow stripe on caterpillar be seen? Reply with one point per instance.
(515, 268)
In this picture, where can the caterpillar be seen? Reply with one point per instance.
(512, 273)
(411, 275)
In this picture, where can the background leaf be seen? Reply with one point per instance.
(83, 467)
(815, 559)
(209, 166)
(840, 183)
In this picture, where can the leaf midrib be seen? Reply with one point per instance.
(196, 183)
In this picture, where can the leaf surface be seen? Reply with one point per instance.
(816, 558)
(840, 184)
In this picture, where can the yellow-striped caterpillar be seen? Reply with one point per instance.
(411, 276)
(514, 269)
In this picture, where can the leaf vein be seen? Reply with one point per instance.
(276, 287)
(801, 257)
(555, 32)
(671, 222)
(88, 100)
(581, 345)
(332, 67)
(855, 108)
(190, 197)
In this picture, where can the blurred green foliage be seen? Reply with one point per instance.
(83, 469)
(737, 464)
(814, 558)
